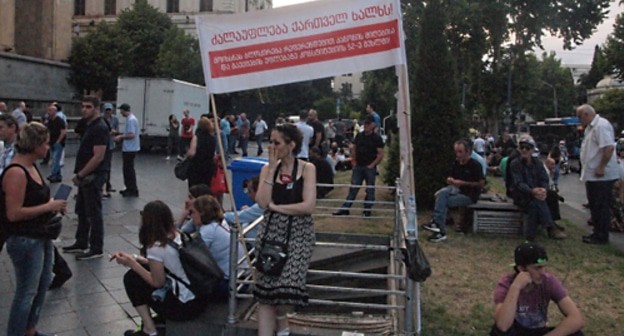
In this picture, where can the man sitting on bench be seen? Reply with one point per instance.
(464, 187)
(530, 187)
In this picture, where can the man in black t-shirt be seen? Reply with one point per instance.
(90, 171)
(319, 130)
(57, 128)
(367, 152)
(464, 188)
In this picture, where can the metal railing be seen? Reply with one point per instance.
(401, 292)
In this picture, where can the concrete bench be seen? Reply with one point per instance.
(499, 217)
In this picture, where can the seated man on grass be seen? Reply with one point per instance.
(522, 298)
(464, 188)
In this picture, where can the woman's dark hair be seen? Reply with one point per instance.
(555, 153)
(199, 190)
(209, 209)
(156, 225)
(290, 133)
(171, 117)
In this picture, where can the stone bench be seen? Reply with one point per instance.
(497, 216)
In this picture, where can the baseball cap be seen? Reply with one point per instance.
(529, 254)
(108, 106)
(369, 119)
(124, 107)
(527, 140)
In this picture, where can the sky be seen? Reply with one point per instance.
(582, 54)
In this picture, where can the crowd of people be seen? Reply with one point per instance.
(300, 156)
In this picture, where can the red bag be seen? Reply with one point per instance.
(218, 185)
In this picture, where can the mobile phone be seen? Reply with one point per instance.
(63, 191)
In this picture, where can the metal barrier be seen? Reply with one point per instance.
(401, 294)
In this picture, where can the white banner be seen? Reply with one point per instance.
(290, 44)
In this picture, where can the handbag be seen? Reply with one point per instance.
(418, 268)
(198, 263)
(181, 169)
(273, 254)
(218, 184)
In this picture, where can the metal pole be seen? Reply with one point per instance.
(232, 319)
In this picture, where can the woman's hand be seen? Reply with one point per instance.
(57, 206)
(272, 158)
(122, 258)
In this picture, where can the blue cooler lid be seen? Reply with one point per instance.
(248, 164)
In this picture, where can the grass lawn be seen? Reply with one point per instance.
(457, 299)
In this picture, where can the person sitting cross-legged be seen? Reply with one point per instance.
(530, 189)
(464, 187)
(522, 298)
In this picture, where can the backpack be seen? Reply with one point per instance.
(198, 263)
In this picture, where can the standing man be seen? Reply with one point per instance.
(19, 114)
(308, 134)
(367, 152)
(599, 172)
(187, 133)
(244, 127)
(463, 188)
(319, 130)
(90, 174)
(259, 128)
(57, 127)
(113, 123)
(370, 110)
(131, 144)
(479, 145)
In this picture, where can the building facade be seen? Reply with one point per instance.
(45, 29)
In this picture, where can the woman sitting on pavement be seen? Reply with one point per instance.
(207, 218)
(193, 193)
(22, 214)
(147, 275)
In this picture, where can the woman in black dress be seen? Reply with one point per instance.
(201, 153)
(287, 192)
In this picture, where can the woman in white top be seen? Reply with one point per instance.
(147, 283)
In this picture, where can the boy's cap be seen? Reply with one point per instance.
(124, 107)
(529, 254)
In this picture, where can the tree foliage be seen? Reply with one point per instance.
(98, 59)
(614, 48)
(611, 106)
(436, 120)
(179, 57)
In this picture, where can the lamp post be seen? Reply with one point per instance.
(554, 97)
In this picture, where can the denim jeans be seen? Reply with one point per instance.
(600, 197)
(56, 153)
(538, 213)
(90, 230)
(243, 145)
(32, 260)
(232, 143)
(129, 173)
(448, 198)
(224, 143)
(259, 142)
(360, 174)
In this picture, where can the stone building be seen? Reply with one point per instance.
(45, 28)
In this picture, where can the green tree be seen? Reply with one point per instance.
(611, 106)
(599, 68)
(146, 28)
(179, 57)
(380, 87)
(436, 120)
(97, 60)
(614, 48)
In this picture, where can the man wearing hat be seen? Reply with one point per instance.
(522, 298)
(130, 146)
(367, 152)
(530, 188)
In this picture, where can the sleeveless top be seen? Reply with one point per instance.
(288, 193)
(36, 194)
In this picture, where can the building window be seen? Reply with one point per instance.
(110, 7)
(205, 5)
(79, 7)
(173, 6)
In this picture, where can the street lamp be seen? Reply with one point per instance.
(554, 97)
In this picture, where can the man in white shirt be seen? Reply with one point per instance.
(600, 170)
(130, 146)
(308, 133)
(259, 128)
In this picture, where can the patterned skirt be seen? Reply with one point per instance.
(288, 288)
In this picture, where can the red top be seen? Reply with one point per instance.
(187, 127)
